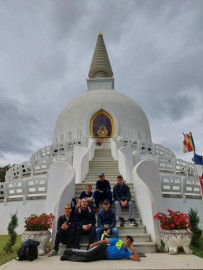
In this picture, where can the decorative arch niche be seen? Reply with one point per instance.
(102, 125)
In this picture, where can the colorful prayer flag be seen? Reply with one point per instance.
(188, 143)
(199, 166)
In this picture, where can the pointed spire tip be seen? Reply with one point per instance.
(99, 34)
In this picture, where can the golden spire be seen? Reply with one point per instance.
(100, 66)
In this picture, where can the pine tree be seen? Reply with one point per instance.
(196, 232)
(12, 233)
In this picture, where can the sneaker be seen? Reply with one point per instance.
(52, 253)
(133, 222)
(122, 222)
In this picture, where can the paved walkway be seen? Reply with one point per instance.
(152, 261)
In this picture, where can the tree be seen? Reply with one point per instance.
(3, 172)
(12, 233)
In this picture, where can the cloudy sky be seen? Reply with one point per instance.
(46, 47)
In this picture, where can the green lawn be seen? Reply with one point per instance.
(4, 258)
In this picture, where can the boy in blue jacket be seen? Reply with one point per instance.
(106, 221)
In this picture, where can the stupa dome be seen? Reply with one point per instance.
(101, 111)
(128, 117)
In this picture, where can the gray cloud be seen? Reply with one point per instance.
(155, 49)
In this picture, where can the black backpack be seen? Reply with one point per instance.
(28, 250)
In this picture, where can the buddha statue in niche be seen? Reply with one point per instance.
(102, 131)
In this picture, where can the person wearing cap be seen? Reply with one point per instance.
(108, 249)
(122, 198)
(106, 221)
(103, 190)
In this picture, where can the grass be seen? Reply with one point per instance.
(198, 251)
(4, 258)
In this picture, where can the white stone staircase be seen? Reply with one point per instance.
(103, 162)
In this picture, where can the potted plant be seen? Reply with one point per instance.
(37, 228)
(175, 231)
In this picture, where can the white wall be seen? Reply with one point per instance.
(60, 190)
(23, 210)
(91, 148)
(126, 163)
(146, 185)
(148, 195)
(60, 176)
(114, 149)
(80, 163)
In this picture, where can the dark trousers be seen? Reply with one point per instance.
(102, 196)
(65, 237)
(94, 254)
(91, 234)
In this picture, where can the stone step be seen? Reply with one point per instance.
(93, 183)
(104, 160)
(138, 238)
(99, 165)
(110, 170)
(78, 192)
(94, 179)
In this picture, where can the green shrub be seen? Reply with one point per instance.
(12, 233)
(196, 232)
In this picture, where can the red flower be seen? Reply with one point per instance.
(175, 220)
(39, 223)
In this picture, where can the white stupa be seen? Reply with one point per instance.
(101, 103)
(101, 129)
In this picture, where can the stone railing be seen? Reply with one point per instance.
(163, 151)
(31, 168)
(179, 186)
(176, 166)
(55, 149)
(23, 189)
(150, 148)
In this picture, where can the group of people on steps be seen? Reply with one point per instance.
(79, 218)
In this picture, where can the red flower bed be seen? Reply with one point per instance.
(39, 223)
(173, 221)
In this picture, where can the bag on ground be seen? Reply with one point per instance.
(28, 250)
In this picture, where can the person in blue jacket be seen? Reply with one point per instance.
(106, 221)
(108, 249)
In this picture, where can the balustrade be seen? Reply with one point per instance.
(35, 186)
(171, 184)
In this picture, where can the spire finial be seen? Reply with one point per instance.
(100, 66)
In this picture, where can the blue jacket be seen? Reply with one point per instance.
(106, 218)
(121, 193)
